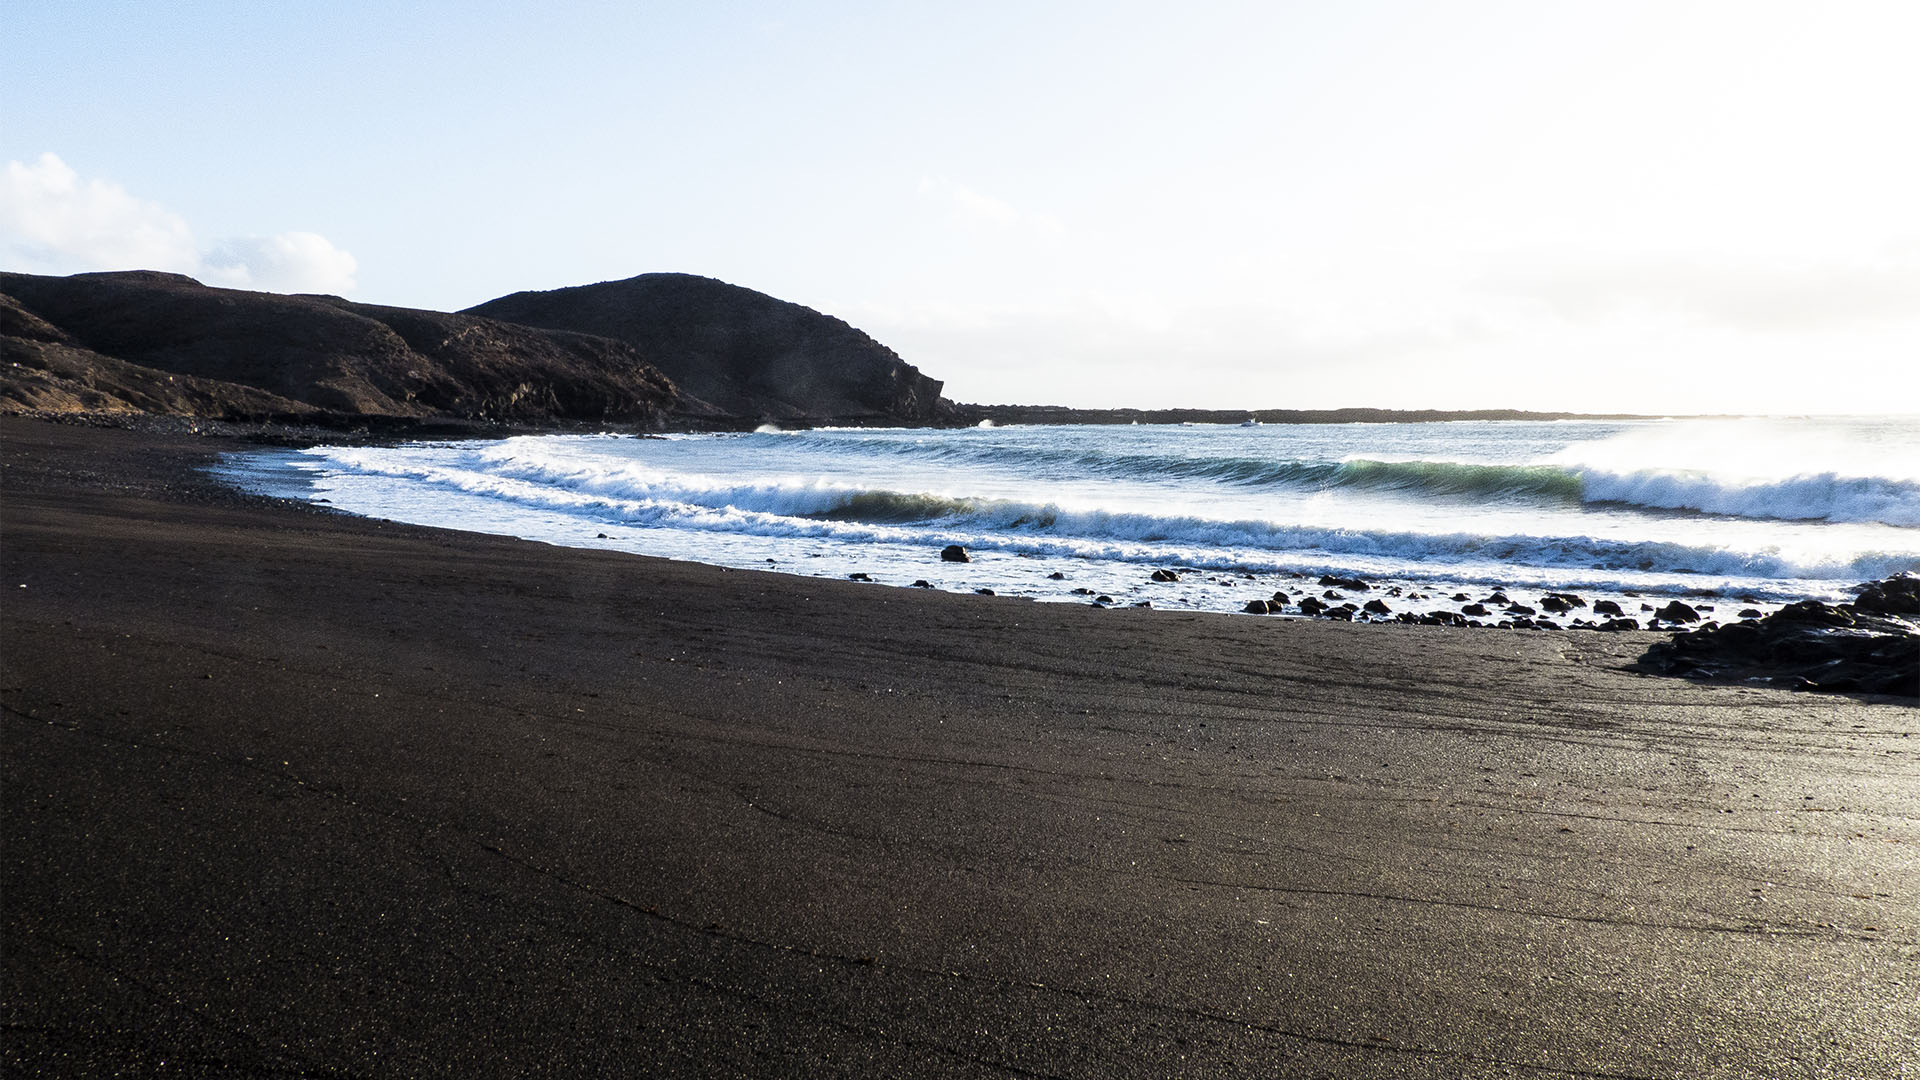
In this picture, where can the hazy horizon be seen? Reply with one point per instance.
(1661, 209)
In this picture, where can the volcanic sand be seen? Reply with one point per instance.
(293, 793)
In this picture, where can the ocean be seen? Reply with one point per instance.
(1731, 515)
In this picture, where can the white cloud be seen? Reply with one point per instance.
(53, 222)
(289, 262)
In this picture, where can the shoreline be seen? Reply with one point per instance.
(290, 790)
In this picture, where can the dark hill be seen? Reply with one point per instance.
(162, 343)
(746, 352)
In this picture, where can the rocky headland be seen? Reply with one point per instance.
(747, 353)
(662, 350)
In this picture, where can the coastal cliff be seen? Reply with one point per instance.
(747, 353)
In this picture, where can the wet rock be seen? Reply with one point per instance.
(1677, 612)
(1348, 583)
(1343, 614)
(954, 553)
(1459, 598)
(1143, 603)
(1750, 613)
(1376, 607)
(1310, 605)
(1281, 598)
(1443, 618)
(1082, 591)
(1897, 595)
(1331, 595)
(1496, 597)
(1566, 598)
(1607, 607)
(1258, 607)
(856, 576)
(1476, 610)
(923, 583)
(1103, 598)
(1164, 576)
(1554, 604)
(1056, 576)
(984, 592)
(1520, 609)
(1615, 625)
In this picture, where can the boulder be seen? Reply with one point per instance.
(1257, 607)
(1476, 610)
(1164, 576)
(1897, 595)
(1311, 605)
(1351, 584)
(1607, 607)
(1376, 607)
(954, 553)
(1677, 612)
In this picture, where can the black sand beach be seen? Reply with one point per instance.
(295, 794)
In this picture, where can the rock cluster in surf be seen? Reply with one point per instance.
(1871, 646)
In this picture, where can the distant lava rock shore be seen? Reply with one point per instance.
(1063, 414)
(1871, 646)
(744, 352)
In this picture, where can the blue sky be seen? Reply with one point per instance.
(1647, 206)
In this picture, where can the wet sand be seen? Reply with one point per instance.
(292, 793)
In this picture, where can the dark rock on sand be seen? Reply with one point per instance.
(1613, 625)
(1841, 648)
(984, 592)
(923, 583)
(743, 351)
(1377, 607)
(1311, 605)
(1478, 611)
(954, 553)
(1258, 607)
(857, 576)
(1281, 598)
(1678, 612)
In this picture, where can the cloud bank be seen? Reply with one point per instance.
(54, 222)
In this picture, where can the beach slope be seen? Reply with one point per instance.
(292, 793)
